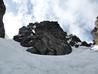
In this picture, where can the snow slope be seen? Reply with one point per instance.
(15, 60)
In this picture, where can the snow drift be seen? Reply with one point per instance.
(15, 60)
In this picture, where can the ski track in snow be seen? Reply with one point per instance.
(15, 60)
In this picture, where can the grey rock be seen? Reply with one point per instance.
(48, 39)
(2, 12)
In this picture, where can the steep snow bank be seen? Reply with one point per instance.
(15, 60)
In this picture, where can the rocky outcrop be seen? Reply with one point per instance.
(45, 38)
(74, 41)
(94, 32)
(2, 12)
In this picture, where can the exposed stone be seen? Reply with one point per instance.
(95, 32)
(73, 40)
(45, 38)
(2, 12)
(84, 43)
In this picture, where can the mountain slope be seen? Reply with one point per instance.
(15, 60)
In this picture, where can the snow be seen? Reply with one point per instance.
(15, 60)
(95, 48)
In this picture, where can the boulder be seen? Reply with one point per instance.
(45, 38)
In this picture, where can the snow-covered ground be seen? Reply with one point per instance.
(15, 60)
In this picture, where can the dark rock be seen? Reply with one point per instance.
(2, 12)
(76, 46)
(45, 38)
(76, 42)
(84, 43)
(17, 38)
(33, 50)
(73, 40)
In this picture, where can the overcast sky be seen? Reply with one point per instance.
(74, 16)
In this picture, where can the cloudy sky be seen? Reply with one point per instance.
(74, 16)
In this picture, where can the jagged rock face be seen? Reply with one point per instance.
(2, 12)
(95, 32)
(95, 35)
(74, 41)
(45, 38)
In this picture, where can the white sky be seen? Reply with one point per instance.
(74, 16)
